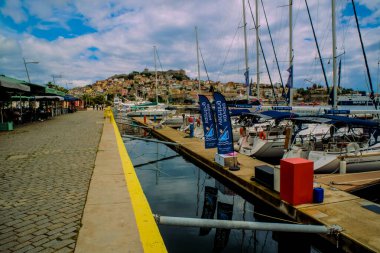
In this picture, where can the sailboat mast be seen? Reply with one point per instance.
(335, 86)
(291, 51)
(246, 74)
(372, 95)
(257, 50)
(155, 69)
(199, 74)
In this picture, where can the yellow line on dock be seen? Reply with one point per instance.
(150, 235)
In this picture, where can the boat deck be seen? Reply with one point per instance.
(361, 227)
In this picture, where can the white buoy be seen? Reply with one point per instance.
(342, 167)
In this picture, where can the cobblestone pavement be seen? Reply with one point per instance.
(45, 171)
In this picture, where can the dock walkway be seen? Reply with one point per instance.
(361, 227)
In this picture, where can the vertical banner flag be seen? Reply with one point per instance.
(289, 83)
(223, 123)
(209, 127)
(339, 71)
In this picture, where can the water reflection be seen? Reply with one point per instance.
(176, 187)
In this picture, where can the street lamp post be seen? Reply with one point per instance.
(55, 76)
(27, 62)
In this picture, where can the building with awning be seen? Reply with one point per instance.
(36, 89)
(11, 86)
(21, 101)
(53, 92)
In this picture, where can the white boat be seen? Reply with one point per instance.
(354, 141)
(266, 138)
(354, 100)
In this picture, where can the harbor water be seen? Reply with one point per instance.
(176, 187)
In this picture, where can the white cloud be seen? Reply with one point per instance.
(127, 31)
(14, 10)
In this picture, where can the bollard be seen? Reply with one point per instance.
(342, 167)
(144, 119)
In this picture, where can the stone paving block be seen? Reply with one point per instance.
(63, 243)
(37, 238)
(27, 232)
(8, 229)
(41, 231)
(13, 222)
(10, 238)
(71, 229)
(8, 245)
(55, 226)
(21, 245)
(36, 250)
(44, 185)
(48, 250)
(23, 224)
(25, 238)
(65, 250)
(72, 235)
(27, 248)
(54, 231)
(25, 228)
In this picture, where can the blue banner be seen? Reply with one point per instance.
(209, 127)
(223, 123)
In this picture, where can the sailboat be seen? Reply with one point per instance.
(151, 109)
(353, 142)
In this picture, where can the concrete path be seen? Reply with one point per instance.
(45, 171)
(109, 223)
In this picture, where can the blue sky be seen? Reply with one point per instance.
(88, 40)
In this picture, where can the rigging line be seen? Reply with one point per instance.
(319, 52)
(377, 79)
(158, 57)
(229, 48)
(265, 61)
(274, 50)
(372, 95)
(204, 64)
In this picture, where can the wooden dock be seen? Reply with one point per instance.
(361, 227)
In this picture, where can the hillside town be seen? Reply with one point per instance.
(174, 86)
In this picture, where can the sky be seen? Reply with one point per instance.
(80, 41)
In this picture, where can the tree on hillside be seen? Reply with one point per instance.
(56, 87)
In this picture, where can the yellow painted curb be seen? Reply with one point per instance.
(149, 234)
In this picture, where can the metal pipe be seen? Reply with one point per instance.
(151, 140)
(227, 224)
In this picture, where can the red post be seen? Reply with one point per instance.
(144, 119)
